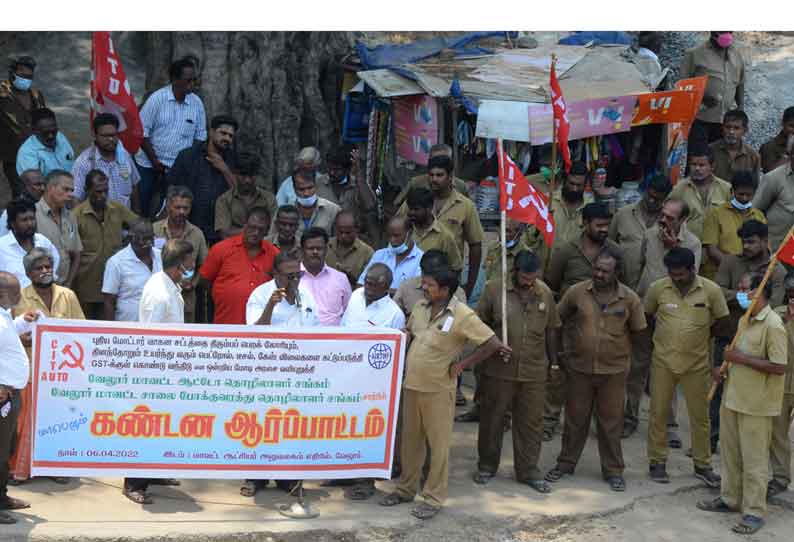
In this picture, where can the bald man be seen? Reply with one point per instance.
(401, 255)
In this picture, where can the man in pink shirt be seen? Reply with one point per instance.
(330, 288)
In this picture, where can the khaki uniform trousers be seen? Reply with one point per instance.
(745, 460)
(525, 400)
(780, 449)
(427, 419)
(694, 384)
(603, 394)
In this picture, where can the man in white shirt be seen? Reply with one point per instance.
(32, 182)
(283, 301)
(21, 240)
(127, 272)
(14, 374)
(161, 302)
(371, 305)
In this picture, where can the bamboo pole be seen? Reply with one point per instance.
(503, 239)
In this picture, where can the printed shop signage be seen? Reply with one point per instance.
(587, 118)
(200, 401)
(663, 107)
(415, 127)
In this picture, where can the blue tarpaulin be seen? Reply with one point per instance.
(388, 56)
(599, 38)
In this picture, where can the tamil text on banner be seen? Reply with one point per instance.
(663, 107)
(678, 132)
(199, 401)
(415, 127)
(587, 118)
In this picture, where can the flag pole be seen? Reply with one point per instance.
(553, 180)
(503, 238)
(746, 316)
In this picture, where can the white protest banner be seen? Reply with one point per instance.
(219, 401)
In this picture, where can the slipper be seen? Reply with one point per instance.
(470, 416)
(616, 483)
(360, 492)
(673, 440)
(393, 499)
(548, 434)
(10, 503)
(541, 486)
(138, 497)
(748, 525)
(774, 488)
(460, 400)
(60, 480)
(164, 482)
(5, 519)
(715, 505)
(555, 474)
(250, 487)
(482, 478)
(425, 511)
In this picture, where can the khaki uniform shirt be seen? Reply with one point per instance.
(569, 265)
(653, 251)
(101, 240)
(526, 330)
(600, 335)
(64, 303)
(458, 214)
(65, 237)
(725, 71)
(775, 198)
(730, 273)
(568, 223)
(437, 342)
(725, 166)
(719, 192)
(753, 392)
(438, 237)
(231, 211)
(324, 216)
(423, 181)
(493, 260)
(772, 152)
(15, 120)
(410, 293)
(788, 387)
(193, 235)
(682, 337)
(720, 229)
(350, 261)
(627, 229)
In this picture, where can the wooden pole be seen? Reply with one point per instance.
(553, 180)
(746, 316)
(503, 239)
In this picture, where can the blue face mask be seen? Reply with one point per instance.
(20, 83)
(743, 299)
(402, 249)
(187, 274)
(307, 202)
(741, 206)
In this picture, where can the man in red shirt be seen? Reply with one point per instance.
(237, 265)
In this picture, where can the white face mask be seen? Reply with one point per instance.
(402, 249)
(741, 206)
(307, 202)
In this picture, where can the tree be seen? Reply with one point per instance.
(282, 87)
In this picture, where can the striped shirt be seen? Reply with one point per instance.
(171, 126)
(121, 172)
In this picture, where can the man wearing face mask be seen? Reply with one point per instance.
(514, 231)
(426, 231)
(206, 169)
(402, 255)
(702, 190)
(45, 297)
(313, 211)
(720, 236)
(731, 153)
(128, 271)
(47, 149)
(18, 99)
(101, 224)
(32, 189)
(778, 151)
(719, 59)
(233, 206)
(173, 119)
(308, 160)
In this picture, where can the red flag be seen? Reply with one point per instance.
(560, 119)
(520, 200)
(110, 91)
(785, 254)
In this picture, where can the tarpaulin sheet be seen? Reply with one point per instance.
(387, 56)
(599, 38)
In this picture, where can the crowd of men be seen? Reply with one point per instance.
(644, 300)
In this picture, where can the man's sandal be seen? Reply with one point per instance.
(138, 497)
(748, 525)
(541, 486)
(774, 488)
(424, 511)
(555, 475)
(715, 505)
(548, 434)
(616, 483)
(10, 503)
(250, 487)
(360, 492)
(393, 499)
(482, 478)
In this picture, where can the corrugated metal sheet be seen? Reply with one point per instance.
(388, 84)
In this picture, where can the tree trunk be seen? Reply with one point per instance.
(282, 87)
